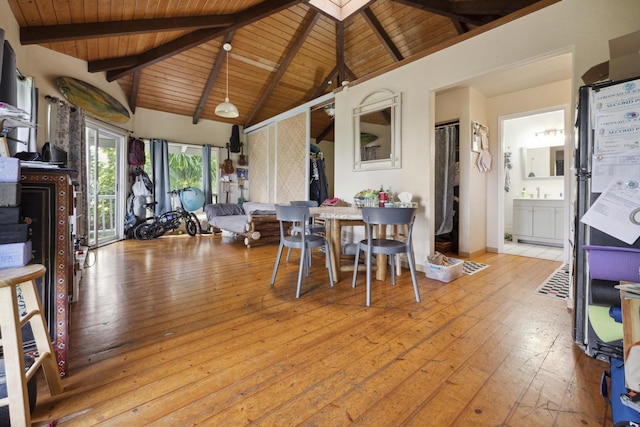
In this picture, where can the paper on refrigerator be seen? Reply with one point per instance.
(616, 136)
(614, 166)
(612, 212)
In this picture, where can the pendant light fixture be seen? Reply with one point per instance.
(227, 109)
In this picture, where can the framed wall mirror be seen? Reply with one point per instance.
(543, 162)
(377, 137)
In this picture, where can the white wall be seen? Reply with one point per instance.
(582, 27)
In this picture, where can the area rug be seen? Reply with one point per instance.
(557, 284)
(470, 267)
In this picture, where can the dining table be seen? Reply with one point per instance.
(336, 217)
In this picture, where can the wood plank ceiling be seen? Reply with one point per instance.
(167, 55)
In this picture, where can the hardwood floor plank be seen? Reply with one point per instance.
(181, 331)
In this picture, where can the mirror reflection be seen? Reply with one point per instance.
(543, 162)
(375, 135)
(376, 123)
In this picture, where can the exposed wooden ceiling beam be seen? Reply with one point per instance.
(188, 41)
(489, 7)
(460, 27)
(133, 94)
(59, 33)
(444, 8)
(213, 76)
(340, 52)
(377, 28)
(312, 18)
(320, 90)
(326, 131)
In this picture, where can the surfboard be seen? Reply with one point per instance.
(92, 100)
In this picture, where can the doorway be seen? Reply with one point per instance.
(534, 146)
(105, 170)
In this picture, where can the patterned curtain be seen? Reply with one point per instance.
(67, 131)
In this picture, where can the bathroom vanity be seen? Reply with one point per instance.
(539, 221)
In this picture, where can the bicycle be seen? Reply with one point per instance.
(156, 226)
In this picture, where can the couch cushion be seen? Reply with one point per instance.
(223, 209)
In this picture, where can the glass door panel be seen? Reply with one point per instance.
(104, 154)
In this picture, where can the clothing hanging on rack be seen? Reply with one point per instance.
(318, 185)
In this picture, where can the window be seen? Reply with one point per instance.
(185, 167)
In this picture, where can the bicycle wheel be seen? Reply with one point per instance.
(145, 232)
(192, 228)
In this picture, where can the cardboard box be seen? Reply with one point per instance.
(9, 169)
(624, 54)
(623, 63)
(445, 273)
(597, 73)
(15, 254)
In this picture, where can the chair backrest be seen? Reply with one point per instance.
(388, 216)
(292, 213)
(308, 203)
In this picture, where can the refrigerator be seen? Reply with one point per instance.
(607, 134)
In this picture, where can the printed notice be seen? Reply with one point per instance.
(613, 211)
(614, 166)
(617, 132)
(614, 98)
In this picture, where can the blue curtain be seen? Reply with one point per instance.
(161, 184)
(206, 174)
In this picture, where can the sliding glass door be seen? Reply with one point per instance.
(106, 154)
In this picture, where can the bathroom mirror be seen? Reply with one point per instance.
(376, 124)
(543, 162)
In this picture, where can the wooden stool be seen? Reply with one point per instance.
(11, 323)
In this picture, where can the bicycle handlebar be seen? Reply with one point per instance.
(180, 190)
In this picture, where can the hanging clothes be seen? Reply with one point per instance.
(507, 167)
(445, 173)
(318, 185)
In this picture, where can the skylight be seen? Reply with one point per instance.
(339, 9)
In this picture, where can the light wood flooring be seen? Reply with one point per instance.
(183, 331)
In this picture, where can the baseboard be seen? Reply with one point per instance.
(462, 254)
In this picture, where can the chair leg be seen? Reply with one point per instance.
(275, 267)
(412, 267)
(392, 271)
(368, 255)
(303, 262)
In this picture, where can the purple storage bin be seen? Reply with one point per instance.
(614, 263)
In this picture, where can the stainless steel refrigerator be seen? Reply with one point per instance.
(597, 143)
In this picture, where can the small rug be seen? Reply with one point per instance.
(471, 267)
(557, 284)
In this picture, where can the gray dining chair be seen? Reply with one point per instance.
(374, 217)
(311, 226)
(304, 240)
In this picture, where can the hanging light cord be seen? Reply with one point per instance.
(227, 97)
